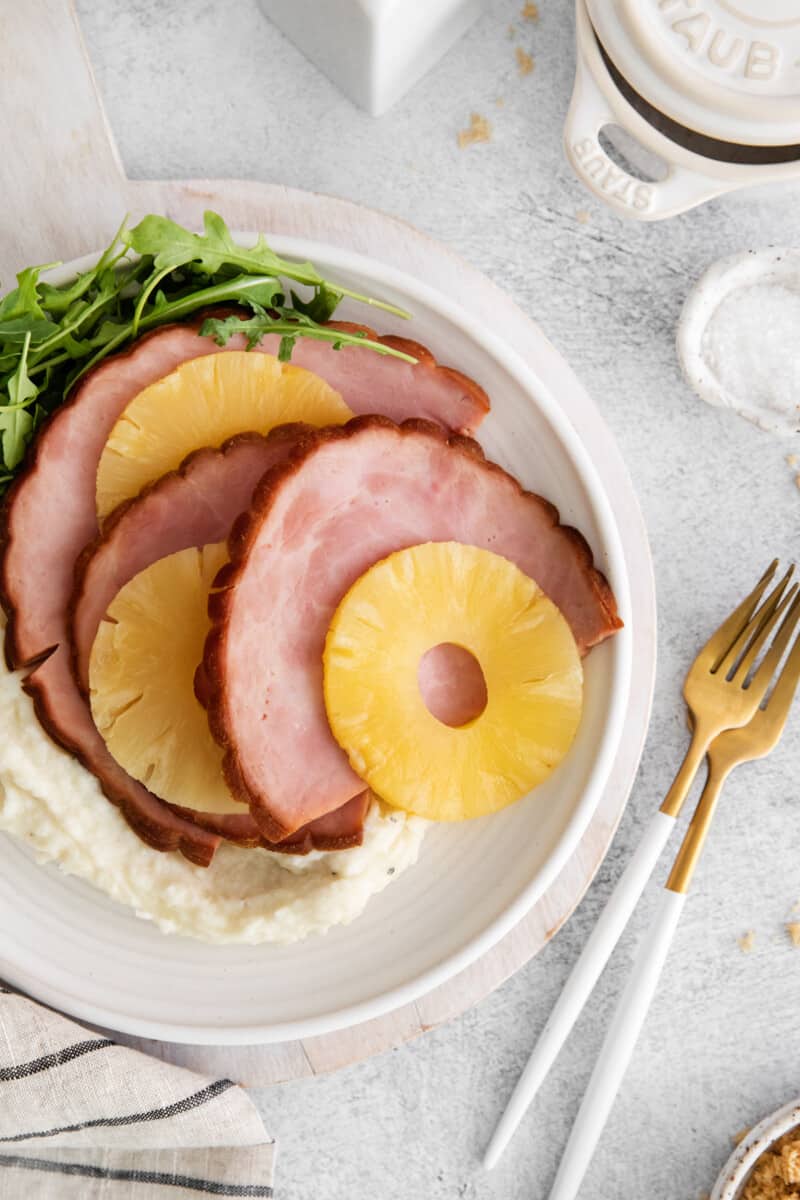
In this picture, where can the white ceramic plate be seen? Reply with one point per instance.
(67, 944)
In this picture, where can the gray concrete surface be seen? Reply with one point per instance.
(196, 88)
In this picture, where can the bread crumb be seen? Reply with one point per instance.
(797, 480)
(530, 12)
(747, 941)
(777, 1172)
(765, 1183)
(479, 131)
(499, 102)
(512, 32)
(739, 1137)
(582, 216)
(790, 1162)
(793, 930)
(791, 460)
(524, 62)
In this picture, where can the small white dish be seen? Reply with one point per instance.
(777, 266)
(737, 1169)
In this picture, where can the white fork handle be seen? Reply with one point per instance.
(584, 976)
(617, 1048)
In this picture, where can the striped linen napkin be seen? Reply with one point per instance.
(82, 1118)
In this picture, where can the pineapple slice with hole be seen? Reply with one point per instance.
(444, 594)
(202, 403)
(141, 681)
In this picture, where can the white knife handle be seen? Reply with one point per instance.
(617, 1048)
(584, 976)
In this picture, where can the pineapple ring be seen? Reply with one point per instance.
(141, 681)
(433, 594)
(203, 402)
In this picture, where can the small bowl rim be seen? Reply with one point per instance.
(734, 1174)
(726, 275)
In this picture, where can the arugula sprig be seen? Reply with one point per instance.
(290, 325)
(152, 274)
(215, 252)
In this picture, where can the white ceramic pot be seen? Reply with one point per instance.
(737, 1169)
(712, 87)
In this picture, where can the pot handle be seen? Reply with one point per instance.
(589, 112)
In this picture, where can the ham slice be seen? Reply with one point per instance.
(49, 513)
(193, 506)
(346, 498)
(148, 816)
(390, 386)
(338, 830)
(168, 827)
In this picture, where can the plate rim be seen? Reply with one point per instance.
(539, 393)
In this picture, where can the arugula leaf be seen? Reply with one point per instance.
(321, 306)
(52, 334)
(16, 426)
(172, 247)
(16, 422)
(20, 388)
(58, 300)
(285, 347)
(257, 327)
(254, 290)
(23, 301)
(115, 250)
(17, 329)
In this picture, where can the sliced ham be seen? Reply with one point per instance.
(338, 830)
(345, 499)
(390, 386)
(49, 513)
(168, 827)
(144, 812)
(50, 510)
(193, 506)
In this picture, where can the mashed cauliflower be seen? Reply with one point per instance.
(249, 896)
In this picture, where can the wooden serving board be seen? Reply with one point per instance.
(68, 198)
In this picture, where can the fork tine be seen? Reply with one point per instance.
(773, 717)
(763, 676)
(752, 626)
(760, 639)
(720, 641)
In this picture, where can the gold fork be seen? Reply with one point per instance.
(751, 740)
(718, 700)
(754, 740)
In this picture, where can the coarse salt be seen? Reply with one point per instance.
(752, 346)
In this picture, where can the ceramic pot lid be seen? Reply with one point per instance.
(729, 69)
